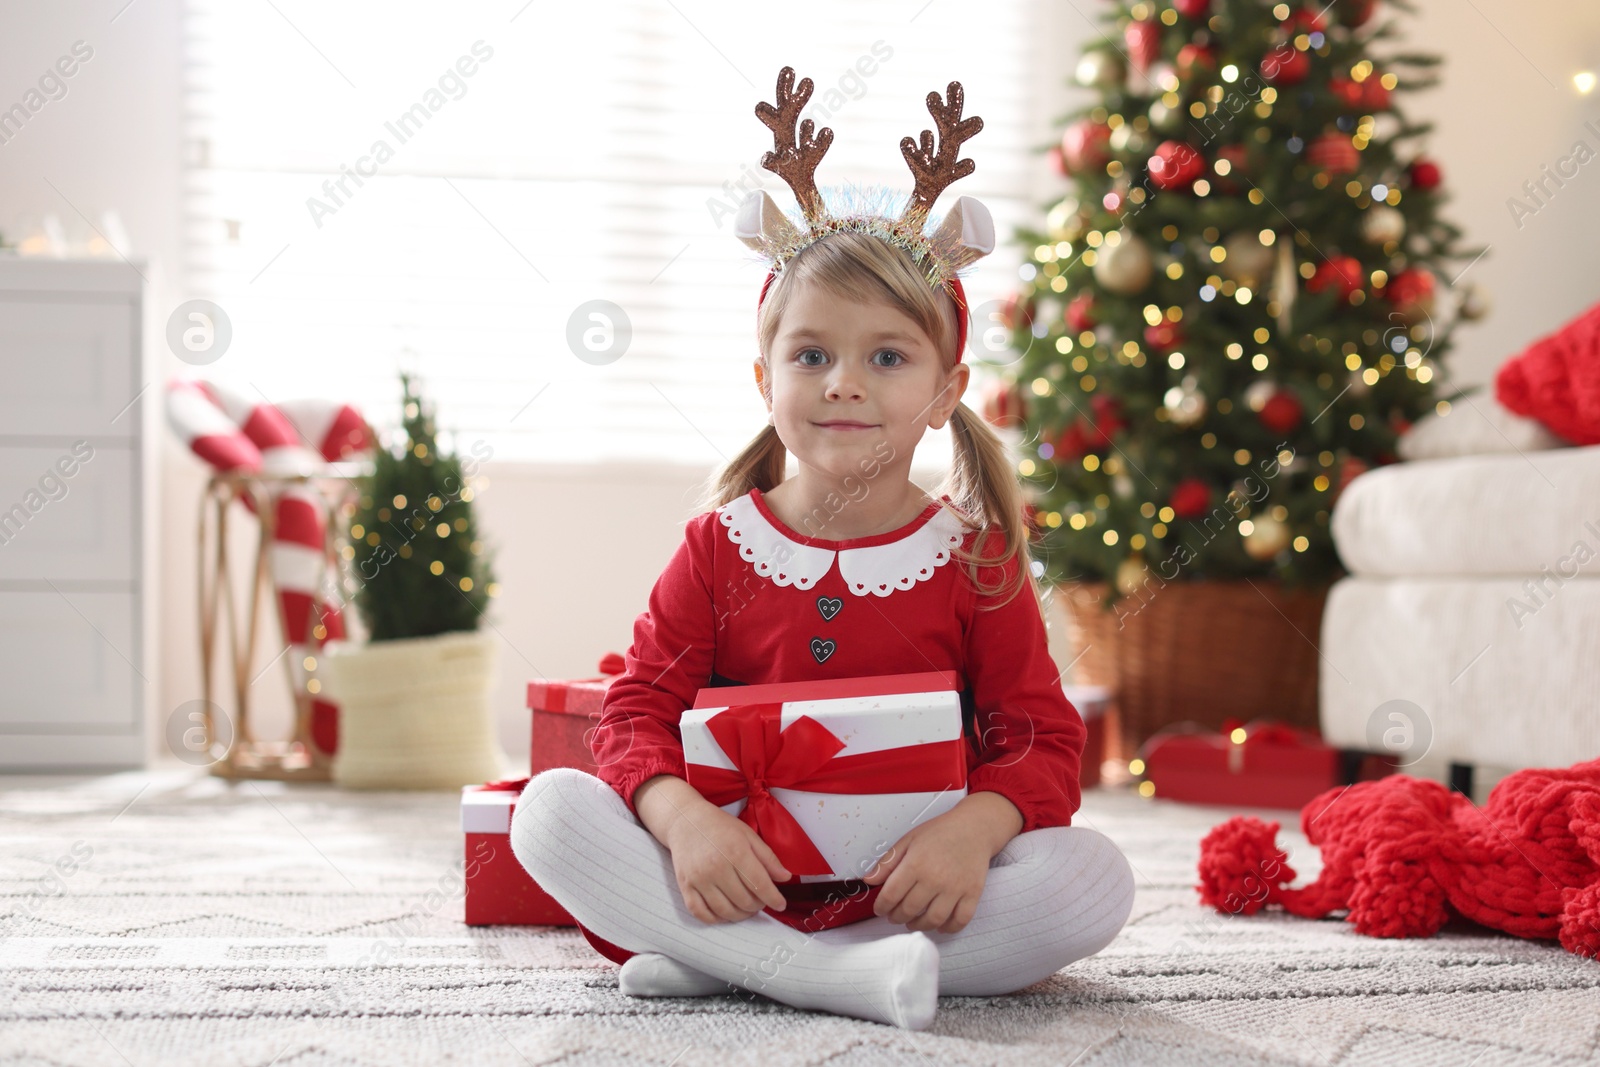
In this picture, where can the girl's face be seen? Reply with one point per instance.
(847, 376)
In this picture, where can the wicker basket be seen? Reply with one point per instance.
(1200, 651)
(415, 713)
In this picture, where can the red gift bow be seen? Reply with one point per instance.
(802, 756)
(1277, 733)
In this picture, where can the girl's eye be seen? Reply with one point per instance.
(800, 357)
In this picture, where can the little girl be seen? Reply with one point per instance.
(845, 570)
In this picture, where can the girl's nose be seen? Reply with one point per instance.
(843, 384)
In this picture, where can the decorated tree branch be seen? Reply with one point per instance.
(1242, 300)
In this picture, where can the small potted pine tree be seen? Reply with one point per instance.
(414, 699)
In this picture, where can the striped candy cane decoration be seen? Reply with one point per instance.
(231, 431)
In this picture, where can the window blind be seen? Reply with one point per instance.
(373, 187)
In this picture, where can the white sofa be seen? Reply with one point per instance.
(1471, 615)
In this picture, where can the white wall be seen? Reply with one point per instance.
(1506, 107)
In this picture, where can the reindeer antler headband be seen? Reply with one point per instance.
(964, 236)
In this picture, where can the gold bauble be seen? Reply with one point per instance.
(1185, 404)
(1124, 268)
(1474, 302)
(1131, 576)
(1382, 224)
(1101, 69)
(1248, 261)
(1267, 538)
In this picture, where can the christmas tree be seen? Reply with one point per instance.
(1232, 312)
(420, 567)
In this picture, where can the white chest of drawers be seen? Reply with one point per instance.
(77, 495)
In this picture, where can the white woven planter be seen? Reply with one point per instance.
(415, 713)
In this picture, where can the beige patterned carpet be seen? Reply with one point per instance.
(201, 922)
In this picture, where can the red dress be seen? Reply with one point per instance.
(746, 600)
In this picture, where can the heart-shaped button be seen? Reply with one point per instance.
(822, 649)
(829, 606)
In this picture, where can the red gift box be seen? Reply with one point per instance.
(874, 755)
(1091, 701)
(500, 891)
(1262, 765)
(565, 715)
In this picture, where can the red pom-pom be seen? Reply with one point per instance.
(1396, 896)
(1242, 869)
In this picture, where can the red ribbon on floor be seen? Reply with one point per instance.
(804, 756)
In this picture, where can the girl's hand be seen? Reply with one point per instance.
(725, 871)
(933, 876)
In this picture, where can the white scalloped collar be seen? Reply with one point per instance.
(877, 569)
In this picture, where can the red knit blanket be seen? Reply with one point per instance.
(1556, 380)
(1402, 855)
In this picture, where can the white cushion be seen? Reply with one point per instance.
(1497, 678)
(1511, 514)
(1476, 425)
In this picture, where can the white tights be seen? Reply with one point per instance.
(1053, 895)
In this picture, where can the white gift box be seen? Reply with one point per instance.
(850, 830)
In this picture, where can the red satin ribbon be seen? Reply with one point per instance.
(1278, 733)
(803, 756)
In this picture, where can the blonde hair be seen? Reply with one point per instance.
(982, 484)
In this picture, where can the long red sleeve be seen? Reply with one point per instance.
(668, 663)
(1029, 737)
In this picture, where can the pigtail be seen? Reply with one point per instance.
(983, 484)
(760, 466)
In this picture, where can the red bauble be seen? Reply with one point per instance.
(1176, 165)
(1285, 65)
(1356, 12)
(1002, 405)
(1057, 163)
(1282, 412)
(1017, 311)
(1424, 174)
(1192, 9)
(1107, 421)
(1351, 93)
(1351, 469)
(1163, 336)
(1085, 146)
(1144, 43)
(1374, 97)
(1080, 312)
(1334, 154)
(1194, 58)
(1411, 293)
(1071, 443)
(1306, 20)
(1340, 273)
(1190, 499)
(1235, 154)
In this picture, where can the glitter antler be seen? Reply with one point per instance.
(934, 171)
(795, 159)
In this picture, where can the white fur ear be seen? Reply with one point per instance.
(966, 233)
(761, 224)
